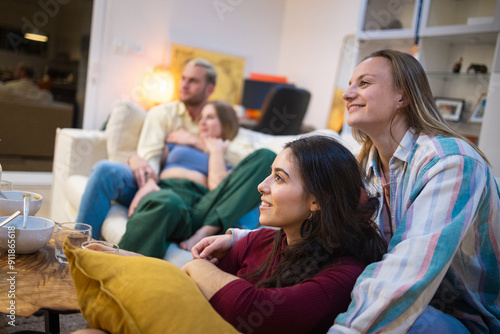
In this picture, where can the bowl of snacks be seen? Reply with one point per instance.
(13, 200)
(27, 240)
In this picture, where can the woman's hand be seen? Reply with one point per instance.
(147, 188)
(207, 277)
(216, 145)
(212, 248)
(217, 170)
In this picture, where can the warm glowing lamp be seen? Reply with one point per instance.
(158, 86)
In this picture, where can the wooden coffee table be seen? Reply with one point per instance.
(40, 283)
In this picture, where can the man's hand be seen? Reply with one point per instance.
(212, 248)
(184, 137)
(141, 169)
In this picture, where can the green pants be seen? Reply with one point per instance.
(181, 207)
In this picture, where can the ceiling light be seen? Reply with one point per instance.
(36, 37)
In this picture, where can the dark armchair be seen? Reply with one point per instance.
(283, 110)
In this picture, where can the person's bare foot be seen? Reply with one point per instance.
(203, 232)
(189, 243)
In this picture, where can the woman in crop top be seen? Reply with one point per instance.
(179, 208)
(217, 126)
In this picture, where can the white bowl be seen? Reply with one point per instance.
(15, 201)
(26, 241)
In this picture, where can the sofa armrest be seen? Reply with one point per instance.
(75, 152)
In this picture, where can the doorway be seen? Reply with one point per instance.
(59, 63)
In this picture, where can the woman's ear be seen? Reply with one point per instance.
(314, 205)
(402, 100)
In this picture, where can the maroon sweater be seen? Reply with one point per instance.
(308, 307)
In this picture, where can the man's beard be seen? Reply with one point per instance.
(195, 100)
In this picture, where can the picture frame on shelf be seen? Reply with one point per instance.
(450, 108)
(478, 112)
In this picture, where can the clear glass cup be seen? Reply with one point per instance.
(76, 233)
(101, 246)
(5, 185)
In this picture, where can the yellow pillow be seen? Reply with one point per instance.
(122, 294)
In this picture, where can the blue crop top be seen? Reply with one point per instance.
(180, 156)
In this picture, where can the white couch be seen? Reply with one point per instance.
(77, 150)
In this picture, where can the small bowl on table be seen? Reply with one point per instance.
(26, 241)
(15, 202)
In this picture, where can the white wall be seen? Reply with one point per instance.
(295, 38)
(310, 50)
(250, 29)
(115, 67)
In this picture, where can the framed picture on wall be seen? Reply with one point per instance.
(449, 108)
(478, 112)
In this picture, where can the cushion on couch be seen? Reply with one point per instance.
(115, 224)
(124, 294)
(76, 151)
(123, 130)
(74, 188)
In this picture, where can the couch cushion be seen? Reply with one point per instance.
(123, 130)
(115, 224)
(239, 147)
(74, 186)
(123, 294)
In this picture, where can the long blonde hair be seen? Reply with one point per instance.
(421, 112)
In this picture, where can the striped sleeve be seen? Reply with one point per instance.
(237, 234)
(437, 204)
